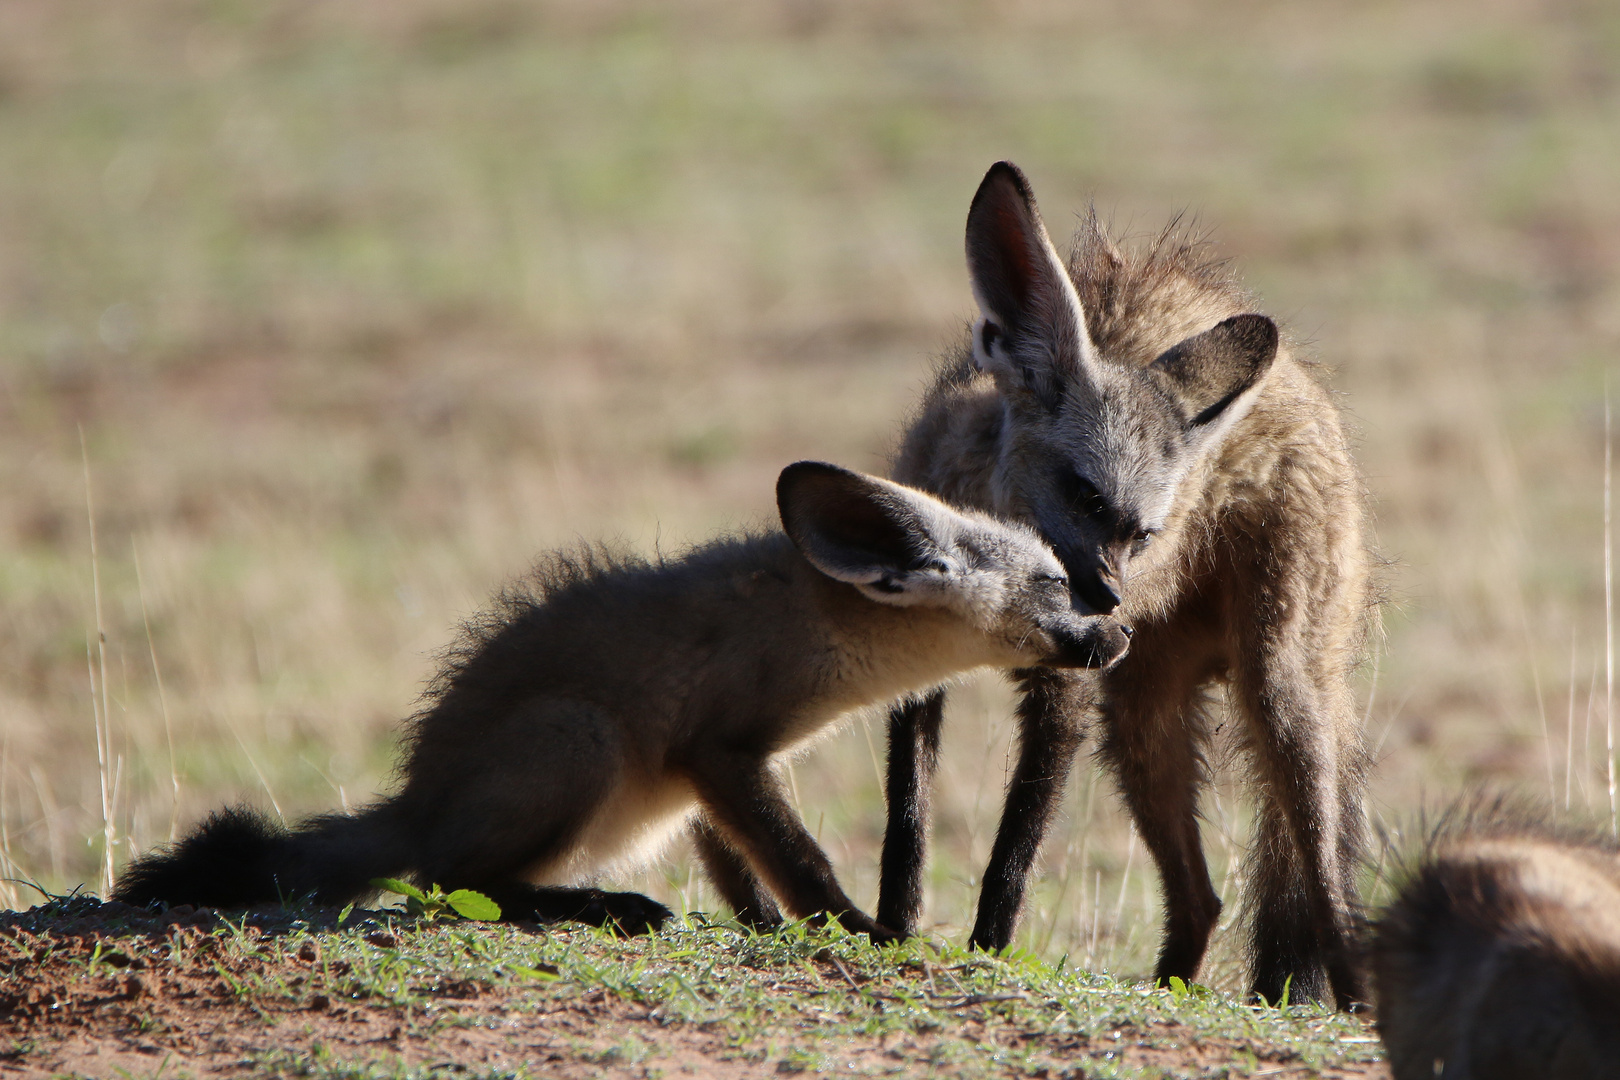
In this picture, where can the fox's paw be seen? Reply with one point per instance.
(625, 913)
(880, 934)
(857, 922)
(760, 918)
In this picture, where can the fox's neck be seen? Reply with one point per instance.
(876, 652)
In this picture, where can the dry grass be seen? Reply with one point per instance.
(358, 305)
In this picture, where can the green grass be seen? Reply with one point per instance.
(698, 994)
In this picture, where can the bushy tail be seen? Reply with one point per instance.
(239, 857)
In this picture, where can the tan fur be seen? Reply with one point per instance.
(1500, 957)
(1254, 573)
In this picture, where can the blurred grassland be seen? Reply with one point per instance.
(359, 305)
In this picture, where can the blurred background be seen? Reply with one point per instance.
(329, 315)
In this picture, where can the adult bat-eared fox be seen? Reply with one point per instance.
(1192, 475)
(606, 702)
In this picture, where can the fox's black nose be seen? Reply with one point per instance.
(1096, 594)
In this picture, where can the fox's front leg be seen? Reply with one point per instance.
(743, 799)
(734, 880)
(1051, 720)
(913, 754)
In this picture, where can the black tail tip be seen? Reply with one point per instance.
(225, 862)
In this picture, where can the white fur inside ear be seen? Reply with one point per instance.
(895, 595)
(932, 586)
(990, 330)
(897, 588)
(975, 595)
(988, 339)
(1211, 434)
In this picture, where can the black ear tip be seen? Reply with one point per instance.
(815, 479)
(800, 468)
(800, 471)
(794, 475)
(1257, 331)
(1005, 172)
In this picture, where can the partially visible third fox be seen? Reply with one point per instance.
(1500, 956)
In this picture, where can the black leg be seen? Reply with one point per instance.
(1283, 937)
(1311, 765)
(738, 887)
(913, 754)
(1303, 937)
(1154, 736)
(744, 800)
(1050, 718)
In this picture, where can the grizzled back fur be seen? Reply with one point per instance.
(1500, 955)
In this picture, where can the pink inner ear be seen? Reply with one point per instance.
(1012, 237)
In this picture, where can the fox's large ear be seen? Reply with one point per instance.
(1216, 374)
(880, 537)
(1031, 333)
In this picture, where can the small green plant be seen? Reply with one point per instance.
(1180, 990)
(435, 903)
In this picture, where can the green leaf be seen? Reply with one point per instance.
(473, 905)
(343, 916)
(403, 888)
(1178, 989)
(1018, 957)
(534, 973)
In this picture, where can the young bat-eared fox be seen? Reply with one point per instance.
(607, 702)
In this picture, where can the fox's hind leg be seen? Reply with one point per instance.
(913, 754)
(1310, 763)
(1153, 736)
(511, 799)
(731, 876)
(1290, 673)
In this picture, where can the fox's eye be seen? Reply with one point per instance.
(1052, 579)
(1143, 538)
(1081, 494)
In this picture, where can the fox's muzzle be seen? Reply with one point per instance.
(1100, 644)
(1096, 576)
